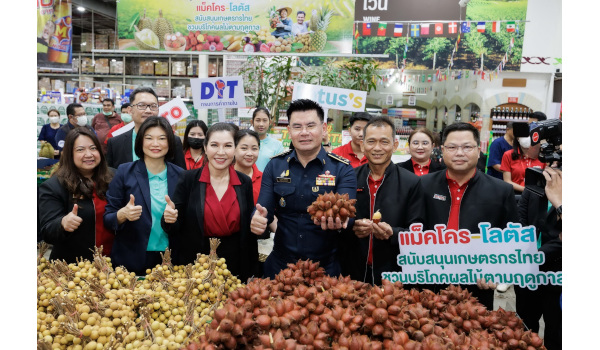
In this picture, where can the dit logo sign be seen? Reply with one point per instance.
(331, 98)
(223, 92)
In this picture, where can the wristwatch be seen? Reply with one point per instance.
(559, 210)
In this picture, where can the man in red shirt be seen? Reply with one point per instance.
(104, 121)
(387, 188)
(125, 117)
(352, 150)
(461, 197)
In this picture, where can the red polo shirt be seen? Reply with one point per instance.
(347, 152)
(190, 162)
(373, 187)
(456, 192)
(420, 169)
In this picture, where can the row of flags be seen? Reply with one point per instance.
(416, 30)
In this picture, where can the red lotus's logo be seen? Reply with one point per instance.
(535, 137)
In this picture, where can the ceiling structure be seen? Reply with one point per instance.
(98, 15)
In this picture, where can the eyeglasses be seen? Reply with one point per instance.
(300, 127)
(454, 148)
(143, 106)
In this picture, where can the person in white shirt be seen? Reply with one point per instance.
(301, 26)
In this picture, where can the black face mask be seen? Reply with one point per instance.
(195, 142)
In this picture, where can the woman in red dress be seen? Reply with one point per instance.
(214, 200)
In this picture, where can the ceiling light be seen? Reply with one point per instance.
(155, 61)
(80, 8)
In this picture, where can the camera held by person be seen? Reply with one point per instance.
(550, 152)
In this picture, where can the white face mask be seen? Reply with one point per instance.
(525, 142)
(53, 120)
(82, 120)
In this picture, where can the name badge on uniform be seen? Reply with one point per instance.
(284, 177)
(325, 179)
(282, 202)
(315, 189)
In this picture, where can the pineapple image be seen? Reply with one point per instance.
(320, 22)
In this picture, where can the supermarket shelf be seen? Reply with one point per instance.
(508, 120)
(58, 74)
(227, 53)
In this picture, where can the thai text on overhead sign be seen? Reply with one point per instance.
(234, 26)
(443, 255)
(217, 93)
(332, 98)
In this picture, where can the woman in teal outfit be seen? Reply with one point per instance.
(137, 198)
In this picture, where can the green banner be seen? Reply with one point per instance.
(222, 25)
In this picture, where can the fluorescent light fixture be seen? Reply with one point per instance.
(155, 61)
(80, 8)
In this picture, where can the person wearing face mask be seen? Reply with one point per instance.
(104, 121)
(126, 119)
(516, 160)
(77, 117)
(193, 144)
(49, 130)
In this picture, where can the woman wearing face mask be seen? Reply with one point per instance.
(193, 144)
(516, 160)
(420, 146)
(71, 203)
(214, 200)
(137, 197)
(49, 130)
(126, 119)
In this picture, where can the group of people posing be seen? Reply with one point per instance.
(150, 191)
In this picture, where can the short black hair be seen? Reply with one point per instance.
(261, 109)
(71, 108)
(460, 126)
(140, 90)
(539, 116)
(221, 126)
(109, 100)
(303, 105)
(246, 132)
(509, 125)
(300, 12)
(192, 124)
(359, 116)
(151, 122)
(380, 121)
(125, 105)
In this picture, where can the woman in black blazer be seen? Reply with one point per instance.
(71, 203)
(420, 145)
(138, 195)
(214, 201)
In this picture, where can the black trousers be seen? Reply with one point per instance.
(544, 301)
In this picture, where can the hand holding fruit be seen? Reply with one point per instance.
(129, 212)
(363, 228)
(382, 230)
(71, 221)
(258, 225)
(170, 214)
(330, 224)
(483, 284)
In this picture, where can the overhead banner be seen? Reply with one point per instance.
(439, 34)
(372, 12)
(218, 93)
(223, 25)
(500, 255)
(54, 34)
(332, 98)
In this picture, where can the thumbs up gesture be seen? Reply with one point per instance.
(71, 221)
(130, 211)
(170, 213)
(258, 225)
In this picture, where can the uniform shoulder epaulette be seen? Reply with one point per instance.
(282, 153)
(338, 158)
